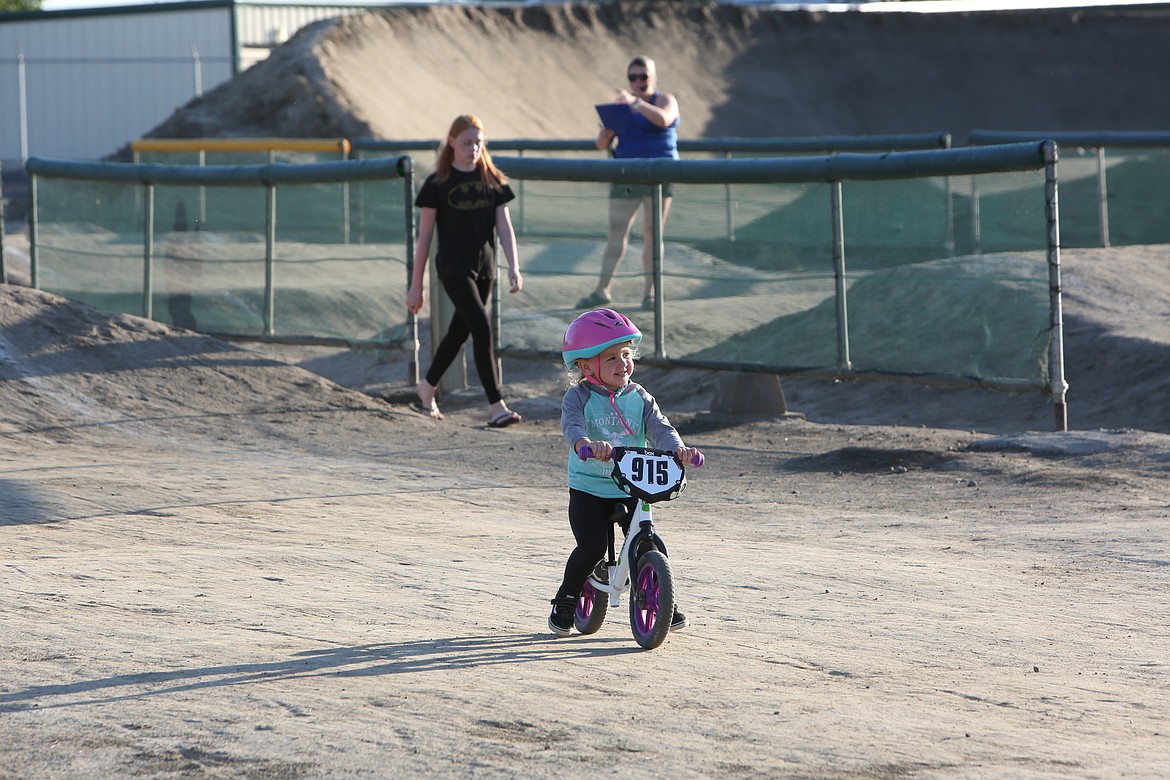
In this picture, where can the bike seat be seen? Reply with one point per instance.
(620, 513)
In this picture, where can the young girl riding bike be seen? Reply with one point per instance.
(604, 409)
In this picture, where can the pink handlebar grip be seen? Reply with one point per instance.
(585, 452)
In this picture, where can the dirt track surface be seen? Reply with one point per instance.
(216, 564)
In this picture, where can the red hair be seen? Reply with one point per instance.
(492, 176)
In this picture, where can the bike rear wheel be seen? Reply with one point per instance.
(652, 599)
(591, 607)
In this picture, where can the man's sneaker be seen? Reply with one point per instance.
(679, 620)
(560, 621)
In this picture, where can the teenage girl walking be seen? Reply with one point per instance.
(604, 409)
(466, 201)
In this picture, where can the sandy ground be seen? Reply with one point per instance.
(219, 564)
(229, 561)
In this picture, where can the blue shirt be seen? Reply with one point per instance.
(587, 413)
(643, 138)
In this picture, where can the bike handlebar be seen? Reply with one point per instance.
(585, 452)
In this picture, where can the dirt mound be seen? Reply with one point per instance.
(67, 368)
(535, 72)
(59, 359)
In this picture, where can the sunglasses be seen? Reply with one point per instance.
(638, 76)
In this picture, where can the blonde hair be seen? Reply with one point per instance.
(645, 62)
(492, 176)
(576, 376)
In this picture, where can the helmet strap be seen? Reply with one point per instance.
(612, 393)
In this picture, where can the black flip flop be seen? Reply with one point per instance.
(504, 420)
(416, 406)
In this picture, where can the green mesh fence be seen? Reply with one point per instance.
(217, 249)
(1114, 185)
(933, 265)
(922, 279)
(1142, 179)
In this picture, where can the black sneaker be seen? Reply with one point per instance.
(560, 621)
(601, 572)
(679, 620)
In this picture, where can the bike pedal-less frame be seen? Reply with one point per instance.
(643, 567)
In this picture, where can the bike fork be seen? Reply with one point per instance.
(623, 572)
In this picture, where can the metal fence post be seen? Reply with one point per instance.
(523, 220)
(197, 66)
(406, 166)
(3, 251)
(1057, 385)
(976, 228)
(728, 205)
(22, 88)
(148, 253)
(269, 263)
(656, 236)
(442, 310)
(497, 319)
(844, 363)
(1102, 197)
(949, 241)
(202, 220)
(358, 205)
(34, 238)
(345, 207)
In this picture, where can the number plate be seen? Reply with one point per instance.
(650, 475)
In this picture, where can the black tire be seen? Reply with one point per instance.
(651, 599)
(591, 607)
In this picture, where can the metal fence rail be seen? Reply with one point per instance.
(723, 147)
(823, 144)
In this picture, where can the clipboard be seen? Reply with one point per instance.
(615, 116)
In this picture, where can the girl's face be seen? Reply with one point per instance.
(613, 367)
(468, 148)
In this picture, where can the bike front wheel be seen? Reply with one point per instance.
(591, 607)
(652, 599)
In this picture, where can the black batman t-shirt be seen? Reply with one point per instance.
(465, 223)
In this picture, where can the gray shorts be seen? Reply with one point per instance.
(627, 191)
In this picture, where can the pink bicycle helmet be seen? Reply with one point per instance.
(596, 331)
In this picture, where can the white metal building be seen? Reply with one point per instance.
(82, 84)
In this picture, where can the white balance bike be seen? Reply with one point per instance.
(643, 566)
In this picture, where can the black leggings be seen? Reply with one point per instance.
(589, 518)
(469, 295)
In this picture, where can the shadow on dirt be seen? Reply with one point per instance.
(20, 504)
(869, 460)
(424, 655)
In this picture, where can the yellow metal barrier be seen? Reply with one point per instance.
(241, 145)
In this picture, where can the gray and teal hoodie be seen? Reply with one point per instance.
(589, 411)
